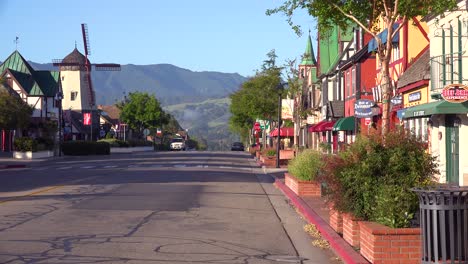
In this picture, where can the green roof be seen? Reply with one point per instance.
(309, 57)
(35, 83)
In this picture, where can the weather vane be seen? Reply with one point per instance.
(16, 41)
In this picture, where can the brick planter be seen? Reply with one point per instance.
(336, 220)
(302, 188)
(269, 162)
(381, 244)
(351, 230)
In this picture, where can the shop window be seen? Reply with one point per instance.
(73, 95)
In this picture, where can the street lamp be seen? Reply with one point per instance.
(58, 100)
(280, 89)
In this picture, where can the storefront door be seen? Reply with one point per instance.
(452, 124)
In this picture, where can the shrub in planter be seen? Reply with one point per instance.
(373, 177)
(307, 165)
(80, 148)
(269, 152)
(25, 144)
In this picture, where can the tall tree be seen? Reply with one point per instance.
(14, 112)
(368, 15)
(141, 110)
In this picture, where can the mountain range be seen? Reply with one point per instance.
(198, 100)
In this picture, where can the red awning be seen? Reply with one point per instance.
(284, 132)
(322, 126)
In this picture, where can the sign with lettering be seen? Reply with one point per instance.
(414, 96)
(363, 108)
(455, 93)
(397, 100)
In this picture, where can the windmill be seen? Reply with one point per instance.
(86, 66)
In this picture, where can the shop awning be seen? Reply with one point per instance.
(434, 108)
(322, 126)
(284, 132)
(372, 45)
(345, 123)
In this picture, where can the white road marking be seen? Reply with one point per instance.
(64, 168)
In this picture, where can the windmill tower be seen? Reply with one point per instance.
(75, 75)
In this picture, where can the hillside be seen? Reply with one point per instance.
(207, 120)
(198, 100)
(170, 84)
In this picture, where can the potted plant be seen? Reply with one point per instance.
(268, 157)
(303, 173)
(373, 184)
(29, 148)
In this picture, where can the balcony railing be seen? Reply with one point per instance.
(447, 69)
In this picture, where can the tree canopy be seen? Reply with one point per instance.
(368, 15)
(257, 97)
(14, 112)
(140, 110)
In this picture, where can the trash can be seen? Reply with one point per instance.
(444, 224)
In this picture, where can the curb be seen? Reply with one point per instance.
(337, 243)
(12, 166)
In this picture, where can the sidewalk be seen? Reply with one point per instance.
(315, 211)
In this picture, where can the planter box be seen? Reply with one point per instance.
(382, 244)
(351, 230)
(336, 220)
(32, 155)
(131, 149)
(269, 162)
(302, 188)
(286, 154)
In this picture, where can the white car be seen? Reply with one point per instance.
(177, 144)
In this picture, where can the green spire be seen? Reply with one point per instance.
(308, 57)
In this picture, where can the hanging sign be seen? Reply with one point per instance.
(86, 119)
(455, 93)
(363, 108)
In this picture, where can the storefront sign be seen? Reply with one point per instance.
(455, 93)
(412, 97)
(363, 108)
(397, 100)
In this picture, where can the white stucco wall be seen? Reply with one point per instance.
(72, 81)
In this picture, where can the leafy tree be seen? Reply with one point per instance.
(257, 98)
(14, 112)
(141, 110)
(367, 15)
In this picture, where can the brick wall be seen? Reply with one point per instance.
(336, 221)
(384, 245)
(351, 230)
(302, 188)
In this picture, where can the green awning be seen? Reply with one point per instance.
(434, 108)
(346, 123)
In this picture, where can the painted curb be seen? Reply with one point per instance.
(337, 243)
(12, 166)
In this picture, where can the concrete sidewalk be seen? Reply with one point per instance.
(315, 211)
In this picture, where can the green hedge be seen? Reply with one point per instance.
(24, 144)
(80, 148)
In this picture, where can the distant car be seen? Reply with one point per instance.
(177, 144)
(237, 146)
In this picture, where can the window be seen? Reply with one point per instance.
(396, 52)
(73, 95)
(353, 81)
(348, 83)
(418, 126)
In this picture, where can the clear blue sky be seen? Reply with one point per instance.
(205, 35)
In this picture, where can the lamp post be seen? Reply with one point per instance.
(58, 99)
(280, 88)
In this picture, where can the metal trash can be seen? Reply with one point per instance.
(444, 224)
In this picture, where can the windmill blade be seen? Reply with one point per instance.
(106, 67)
(84, 30)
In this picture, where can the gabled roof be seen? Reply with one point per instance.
(418, 71)
(35, 83)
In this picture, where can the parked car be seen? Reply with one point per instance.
(237, 146)
(177, 144)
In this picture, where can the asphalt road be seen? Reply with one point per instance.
(158, 207)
